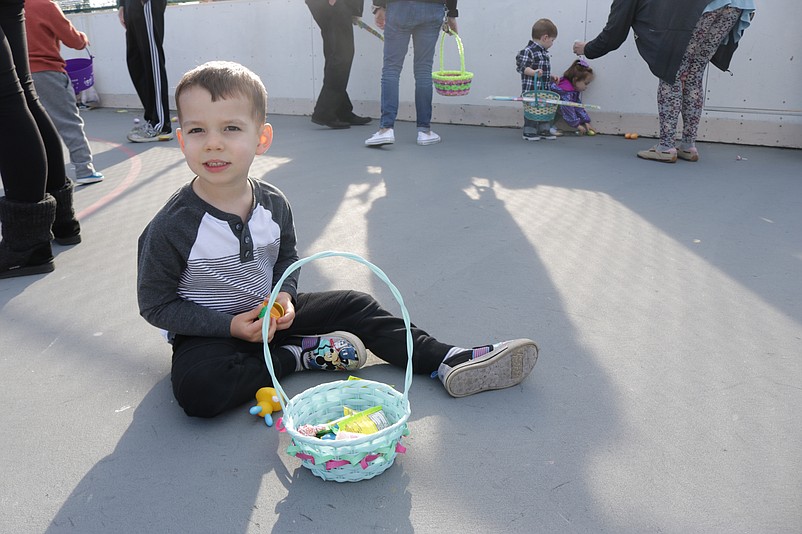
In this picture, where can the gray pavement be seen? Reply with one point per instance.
(666, 300)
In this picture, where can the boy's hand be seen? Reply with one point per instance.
(248, 326)
(555, 78)
(284, 322)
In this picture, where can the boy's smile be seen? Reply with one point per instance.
(220, 139)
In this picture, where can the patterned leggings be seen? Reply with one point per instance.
(685, 95)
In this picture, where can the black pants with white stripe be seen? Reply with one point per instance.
(337, 32)
(212, 375)
(144, 36)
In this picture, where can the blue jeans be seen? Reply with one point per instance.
(421, 21)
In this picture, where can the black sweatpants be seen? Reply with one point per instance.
(144, 36)
(212, 375)
(337, 31)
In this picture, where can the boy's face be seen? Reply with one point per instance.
(546, 41)
(220, 139)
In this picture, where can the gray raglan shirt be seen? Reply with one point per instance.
(199, 266)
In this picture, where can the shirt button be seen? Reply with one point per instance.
(247, 239)
(238, 227)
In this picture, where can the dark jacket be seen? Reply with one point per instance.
(354, 6)
(663, 29)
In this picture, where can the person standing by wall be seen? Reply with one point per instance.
(677, 39)
(38, 197)
(334, 17)
(401, 20)
(143, 21)
(47, 27)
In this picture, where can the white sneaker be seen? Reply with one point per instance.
(429, 138)
(380, 139)
(91, 179)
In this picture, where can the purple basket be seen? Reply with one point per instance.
(80, 72)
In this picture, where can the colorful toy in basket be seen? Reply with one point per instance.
(266, 404)
(452, 82)
(355, 459)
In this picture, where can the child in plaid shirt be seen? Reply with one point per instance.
(535, 67)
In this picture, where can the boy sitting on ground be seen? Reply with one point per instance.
(212, 253)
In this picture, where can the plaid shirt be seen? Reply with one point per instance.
(536, 57)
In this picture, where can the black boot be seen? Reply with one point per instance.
(25, 248)
(66, 229)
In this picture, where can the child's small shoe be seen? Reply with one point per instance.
(530, 134)
(337, 351)
(550, 133)
(489, 367)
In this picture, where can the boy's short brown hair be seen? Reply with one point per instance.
(224, 79)
(542, 28)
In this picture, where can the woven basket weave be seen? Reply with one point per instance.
(540, 111)
(452, 82)
(354, 459)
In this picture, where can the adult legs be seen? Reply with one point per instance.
(396, 44)
(56, 94)
(145, 58)
(31, 157)
(337, 32)
(685, 94)
(708, 35)
(26, 151)
(424, 41)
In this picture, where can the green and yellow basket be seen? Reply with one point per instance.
(452, 82)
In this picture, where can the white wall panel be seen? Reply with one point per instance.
(279, 40)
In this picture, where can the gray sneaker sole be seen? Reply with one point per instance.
(505, 368)
(154, 139)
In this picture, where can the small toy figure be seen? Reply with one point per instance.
(266, 403)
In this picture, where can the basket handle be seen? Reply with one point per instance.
(378, 272)
(459, 47)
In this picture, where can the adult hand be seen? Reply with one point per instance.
(378, 18)
(121, 15)
(579, 48)
(450, 25)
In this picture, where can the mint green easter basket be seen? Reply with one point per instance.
(348, 460)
